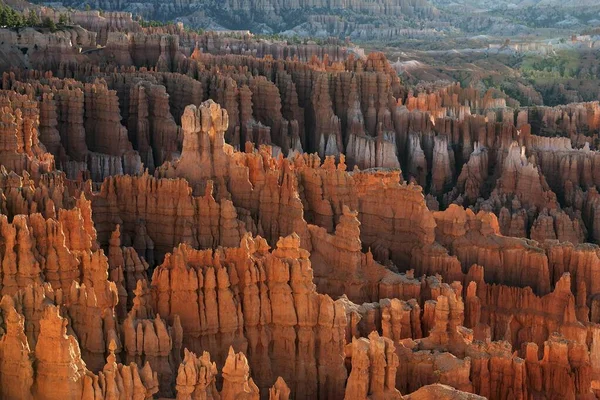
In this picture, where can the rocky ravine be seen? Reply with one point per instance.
(194, 216)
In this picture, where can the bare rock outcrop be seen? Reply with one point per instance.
(374, 364)
(255, 287)
(204, 153)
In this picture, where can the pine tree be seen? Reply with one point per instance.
(48, 23)
(4, 16)
(33, 19)
(17, 19)
(63, 19)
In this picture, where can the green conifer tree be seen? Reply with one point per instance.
(33, 19)
(49, 23)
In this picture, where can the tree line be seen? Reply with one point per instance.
(11, 18)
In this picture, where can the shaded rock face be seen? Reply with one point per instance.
(179, 220)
